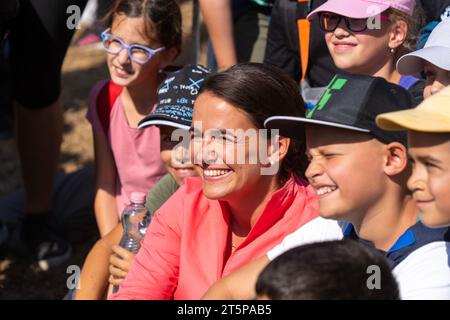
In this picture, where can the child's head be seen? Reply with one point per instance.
(352, 162)
(433, 60)
(335, 270)
(363, 36)
(152, 31)
(428, 128)
(176, 96)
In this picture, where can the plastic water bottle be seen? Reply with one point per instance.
(135, 220)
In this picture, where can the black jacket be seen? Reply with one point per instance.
(435, 8)
(282, 48)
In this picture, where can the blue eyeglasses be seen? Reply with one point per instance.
(137, 53)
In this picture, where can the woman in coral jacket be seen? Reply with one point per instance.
(249, 196)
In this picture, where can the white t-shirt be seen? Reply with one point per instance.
(423, 274)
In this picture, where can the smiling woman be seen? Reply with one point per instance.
(232, 213)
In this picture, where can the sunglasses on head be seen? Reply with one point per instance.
(329, 22)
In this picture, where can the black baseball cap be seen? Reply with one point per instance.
(351, 102)
(176, 97)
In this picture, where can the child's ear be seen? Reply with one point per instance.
(167, 57)
(396, 159)
(398, 34)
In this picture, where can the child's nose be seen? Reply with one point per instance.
(123, 56)
(313, 171)
(416, 181)
(341, 29)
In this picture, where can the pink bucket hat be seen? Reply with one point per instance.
(363, 8)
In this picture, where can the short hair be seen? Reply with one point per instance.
(336, 270)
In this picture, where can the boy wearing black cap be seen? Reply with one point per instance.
(360, 172)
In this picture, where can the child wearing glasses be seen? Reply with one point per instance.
(143, 38)
(367, 37)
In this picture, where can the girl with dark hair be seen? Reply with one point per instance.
(238, 208)
(143, 37)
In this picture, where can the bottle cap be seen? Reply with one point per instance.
(138, 197)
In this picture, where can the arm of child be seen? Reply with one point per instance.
(238, 285)
(218, 19)
(105, 202)
(95, 272)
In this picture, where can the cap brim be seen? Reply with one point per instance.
(292, 126)
(413, 63)
(415, 120)
(154, 121)
(353, 9)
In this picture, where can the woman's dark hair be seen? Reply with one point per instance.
(339, 270)
(162, 19)
(263, 91)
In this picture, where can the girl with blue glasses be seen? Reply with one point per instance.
(143, 38)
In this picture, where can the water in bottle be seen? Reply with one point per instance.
(135, 220)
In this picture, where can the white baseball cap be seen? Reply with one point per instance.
(435, 51)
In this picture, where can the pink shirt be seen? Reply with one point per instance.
(187, 246)
(135, 151)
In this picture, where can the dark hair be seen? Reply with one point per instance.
(262, 91)
(163, 17)
(327, 270)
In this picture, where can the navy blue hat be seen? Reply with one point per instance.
(351, 102)
(176, 97)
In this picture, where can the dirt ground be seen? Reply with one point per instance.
(83, 67)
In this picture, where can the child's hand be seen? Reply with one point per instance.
(120, 263)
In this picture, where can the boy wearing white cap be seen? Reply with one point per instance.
(433, 60)
(428, 128)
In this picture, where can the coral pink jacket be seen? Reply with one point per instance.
(188, 244)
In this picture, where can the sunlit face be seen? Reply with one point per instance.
(346, 170)
(430, 180)
(437, 79)
(216, 148)
(359, 52)
(123, 71)
(175, 156)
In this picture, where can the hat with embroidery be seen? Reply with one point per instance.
(176, 97)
